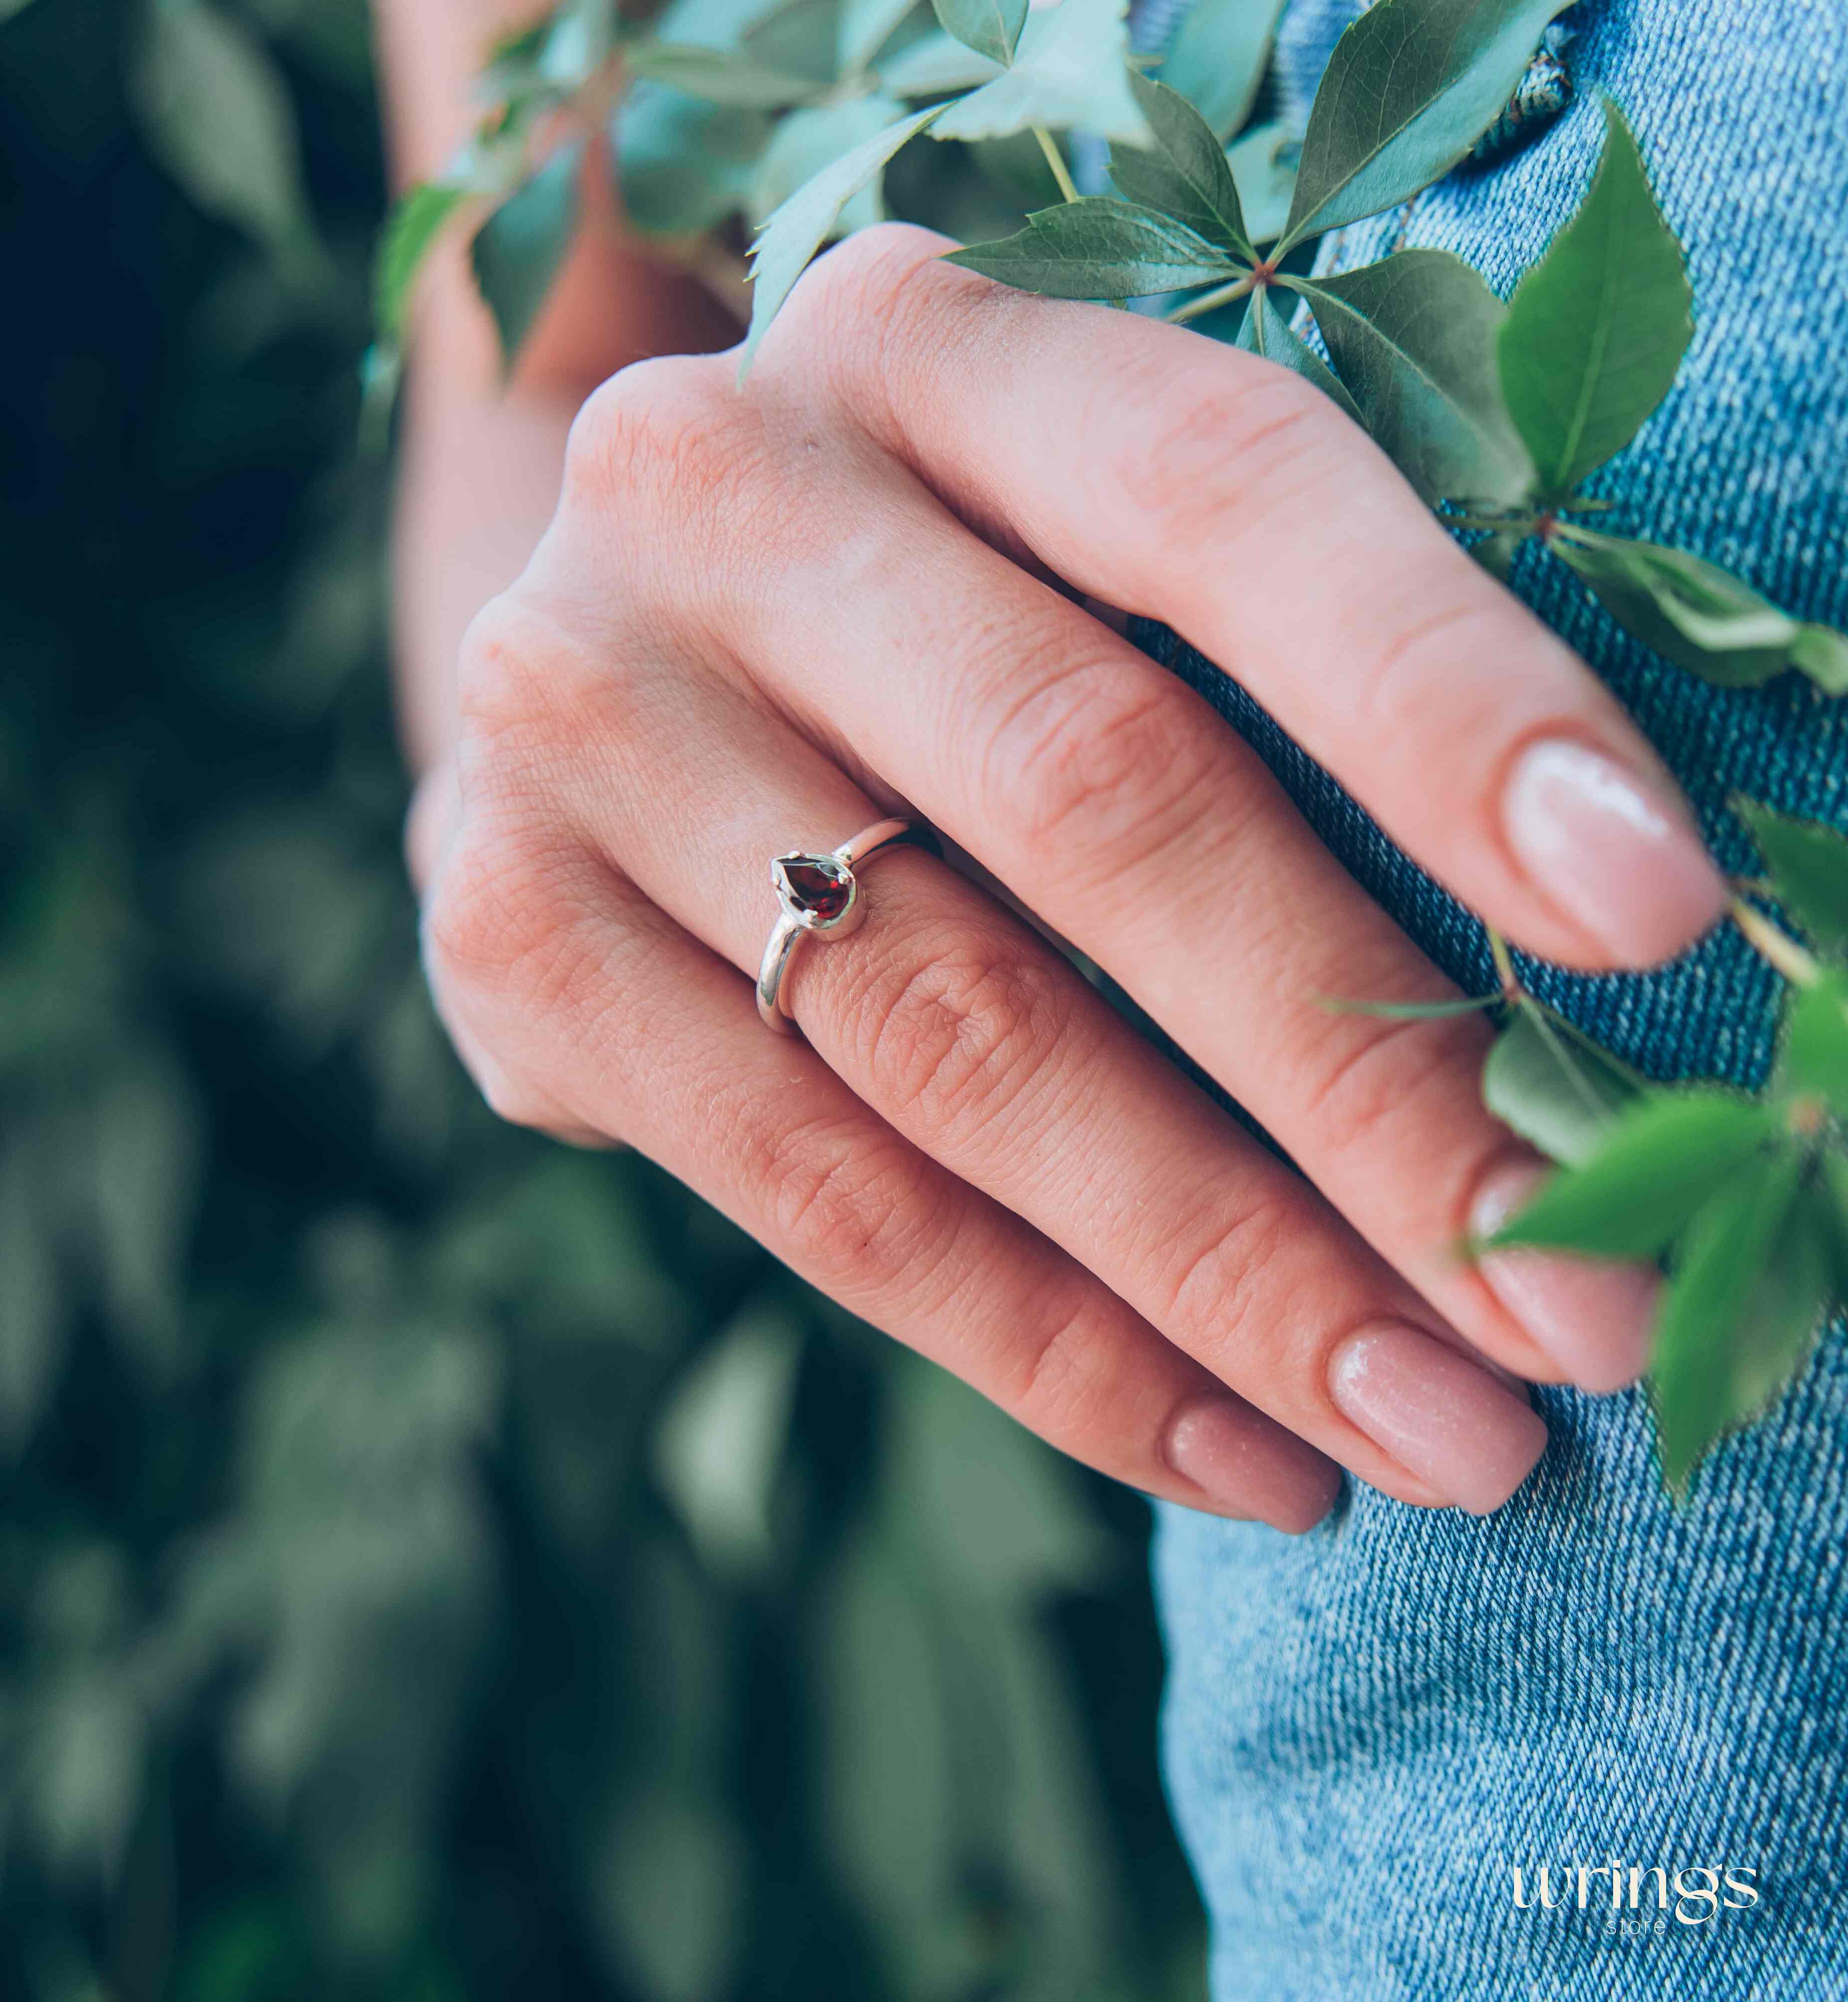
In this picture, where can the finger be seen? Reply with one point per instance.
(969, 1035)
(1189, 480)
(1108, 797)
(598, 1004)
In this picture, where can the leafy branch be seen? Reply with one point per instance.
(1744, 1199)
(788, 114)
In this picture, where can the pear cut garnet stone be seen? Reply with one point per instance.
(815, 884)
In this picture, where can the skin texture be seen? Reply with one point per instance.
(759, 619)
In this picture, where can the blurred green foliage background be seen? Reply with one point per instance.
(435, 1564)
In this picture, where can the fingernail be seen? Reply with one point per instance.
(1622, 863)
(1251, 1467)
(1594, 1317)
(1437, 1414)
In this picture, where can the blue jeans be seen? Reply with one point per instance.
(1368, 1729)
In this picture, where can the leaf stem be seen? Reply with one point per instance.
(1056, 161)
(1504, 965)
(1221, 295)
(1775, 946)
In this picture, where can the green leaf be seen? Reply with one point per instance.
(665, 1884)
(1185, 174)
(1266, 331)
(808, 141)
(1070, 70)
(934, 65)
(721, 76)
(518, 251)
(720, 1444)
(1596, 330)
(516, 54)
(1827, 1198)
(1821, 652)
(1098, 248)
(143, 1163)
(1813, 1061)
(415, 222)
(578, 42)
(987, 1502)
(1808, 865)
(218, 117)
(32, 1307)
(1410, 87)
(1555, 1087)
(862, 30)
(1263, 168)
(1690, 611)
(713, 24)
(1740, 1312)
(1664, 1158)
(991, 28)
(877, 1654)
(791, 237)
(801, 40)
(1216, 59)
(684, 165)
(1413, 339)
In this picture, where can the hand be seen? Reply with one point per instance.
(763, 618)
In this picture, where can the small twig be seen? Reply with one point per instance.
(1056, 161)
(1778, 947)
(1221, 295)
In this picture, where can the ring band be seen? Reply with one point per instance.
(820, 896)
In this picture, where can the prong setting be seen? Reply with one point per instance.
(820, 893)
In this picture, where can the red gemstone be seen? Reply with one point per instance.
(816, 884)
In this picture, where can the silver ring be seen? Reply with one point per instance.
(820, 896)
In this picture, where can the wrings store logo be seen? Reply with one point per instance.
(1640, 1898)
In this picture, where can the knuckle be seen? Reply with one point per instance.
(665, 434)
(696, 495)
(498, 919)
(1225, 1273)
(1420, 634)
(536, 691)
(956, 1026)
(468, 916)
(670, 453)
(872, 275)
(508, 956)
(1063, 1387)
(882, 307)
(839, 1205)
(1223, 444)
(511, 668)
(1374, 1083)
(1101, 765)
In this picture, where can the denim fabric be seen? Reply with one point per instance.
(1367, 1728)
